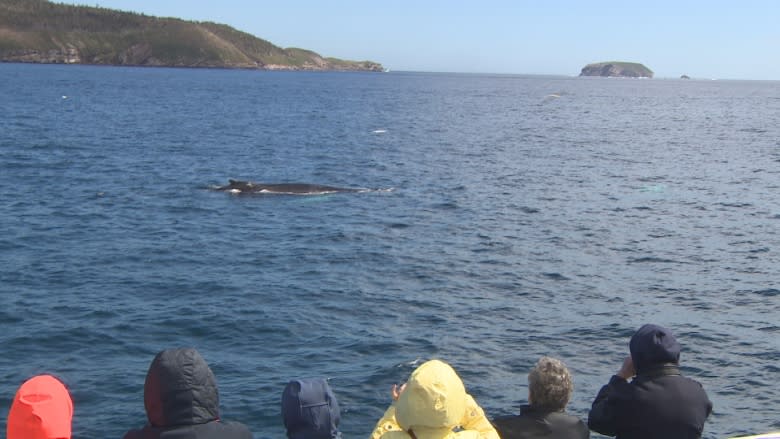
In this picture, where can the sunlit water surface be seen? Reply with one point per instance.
(519, 216)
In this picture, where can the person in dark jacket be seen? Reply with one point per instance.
(310, 410)
(659, 402)
(550, 386)
(182, 401)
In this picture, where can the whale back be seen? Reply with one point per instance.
(248, 187)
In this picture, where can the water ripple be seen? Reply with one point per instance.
(517, 228)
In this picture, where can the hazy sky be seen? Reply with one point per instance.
(735, 39)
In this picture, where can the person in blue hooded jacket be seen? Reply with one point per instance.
(659, 402)
(310, 410)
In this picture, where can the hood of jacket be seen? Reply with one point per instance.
(433, 402)
(42, 409)
(652, 346)
(310, 410)
(180, 389)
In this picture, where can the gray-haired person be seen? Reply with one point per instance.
(550, 387)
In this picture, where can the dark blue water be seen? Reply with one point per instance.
(527, 216)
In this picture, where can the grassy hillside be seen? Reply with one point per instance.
(45, 32)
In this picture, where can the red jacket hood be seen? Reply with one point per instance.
(42, 409)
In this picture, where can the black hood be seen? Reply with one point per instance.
(180, 389)
(310, 410)
(653, 346)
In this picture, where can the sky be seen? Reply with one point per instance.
(716, 39)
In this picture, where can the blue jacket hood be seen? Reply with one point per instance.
(310, 410)
(653, 345)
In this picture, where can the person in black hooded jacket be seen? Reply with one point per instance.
(182, 401)
(310, 410)
(658, 403)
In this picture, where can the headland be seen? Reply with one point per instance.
(39, 31)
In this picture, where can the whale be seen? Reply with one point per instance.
(240, 187)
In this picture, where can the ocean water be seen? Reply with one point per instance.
(518, 216)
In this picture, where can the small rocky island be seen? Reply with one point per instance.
(39, 31)
(618, 69)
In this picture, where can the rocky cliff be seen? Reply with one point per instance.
(38, 31)
(617, 69)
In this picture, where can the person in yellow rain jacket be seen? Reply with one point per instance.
(433, 404)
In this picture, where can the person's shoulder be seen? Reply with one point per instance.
(571, 425)
(221, 429)
(505, 420)
(235, 430)
(567, 418)
(690, 382)
(695, 391)
(515, 426)
(579, 426)
(136, 433)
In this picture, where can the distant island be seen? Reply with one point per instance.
(39, 31)
(617, 69)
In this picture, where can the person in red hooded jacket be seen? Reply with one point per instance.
(42, 409)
